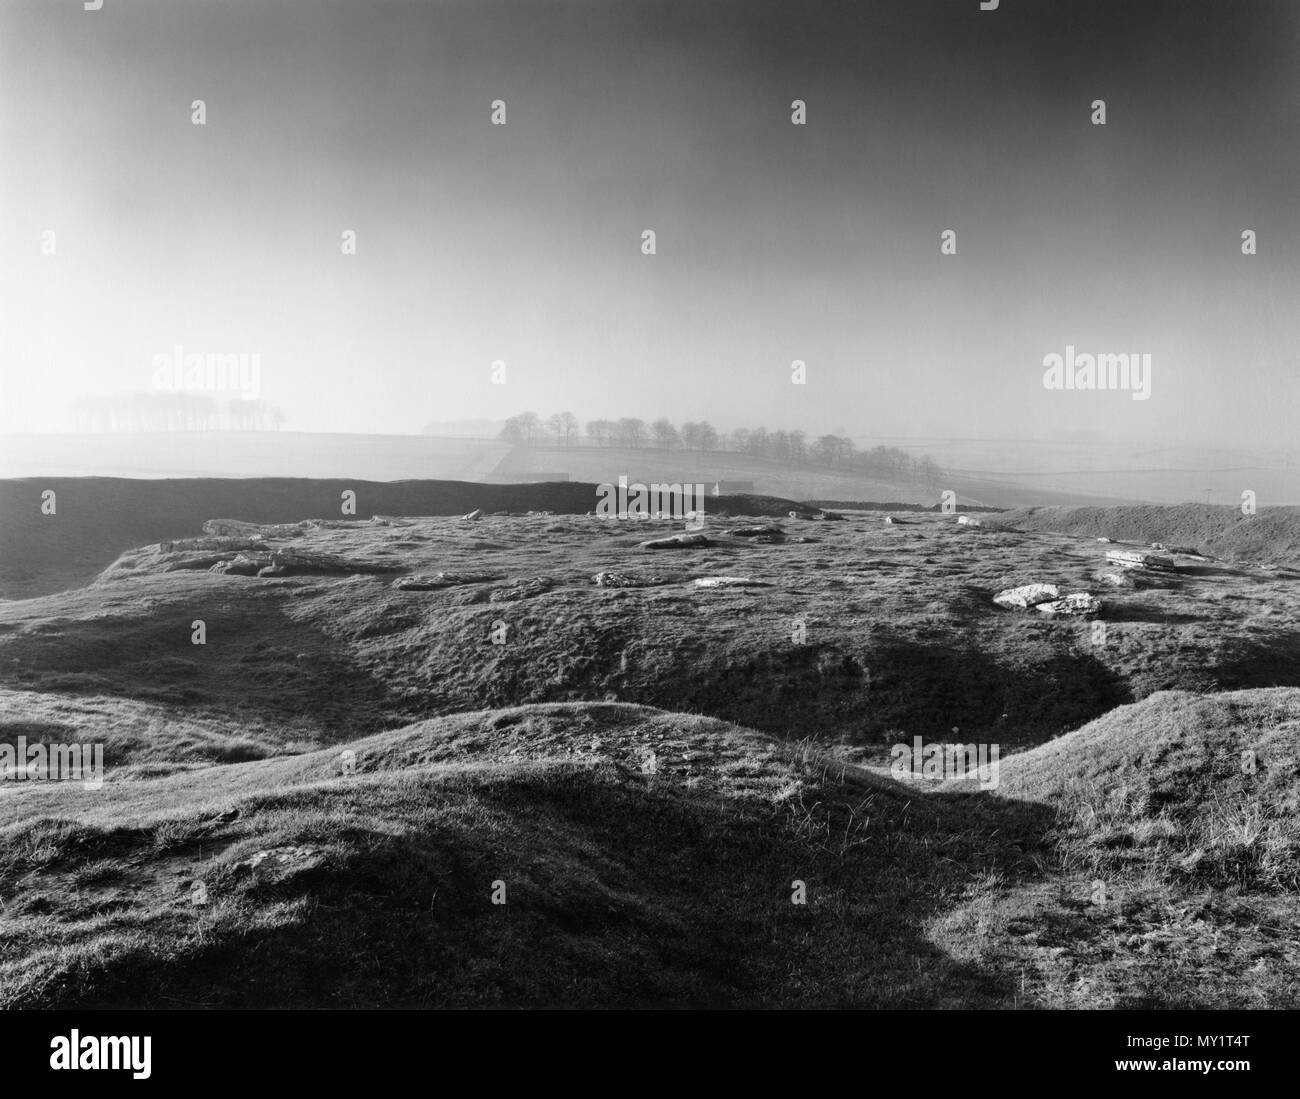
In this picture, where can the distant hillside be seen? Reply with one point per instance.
(248, 454)
(464, 458)
(1022, 472)
(463, 429)
(1004, 476)
(600, 464)
(767, 475)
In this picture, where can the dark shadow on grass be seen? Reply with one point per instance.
(257, 660)
(907, 687)
(1272, 661)
(1245, 574)
(622, 891)
(1142, 612)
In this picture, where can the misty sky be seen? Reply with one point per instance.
(775, 242)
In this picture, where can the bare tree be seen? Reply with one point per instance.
(600, 432)
(665, 435)
(631, 432)
(826, 450)
(563, 426)
(512, 431)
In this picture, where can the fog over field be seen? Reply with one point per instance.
(646, 504)
(522, 243)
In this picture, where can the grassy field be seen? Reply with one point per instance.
(97, 518)
(317, 805)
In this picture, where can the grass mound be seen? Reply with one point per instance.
(1207, 785)
(1174, 861)
(313, 806)
(860, 633)
(289, 883)
(1271, 535)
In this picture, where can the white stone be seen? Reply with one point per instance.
(1077, 603)
(1117, 577)
(1136, 559)
(1028, 595)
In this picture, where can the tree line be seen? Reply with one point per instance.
(836, 451)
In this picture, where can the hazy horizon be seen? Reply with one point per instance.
(775, 242)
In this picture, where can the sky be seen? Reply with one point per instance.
(522, 243)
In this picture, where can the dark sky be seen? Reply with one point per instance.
(775, 242)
